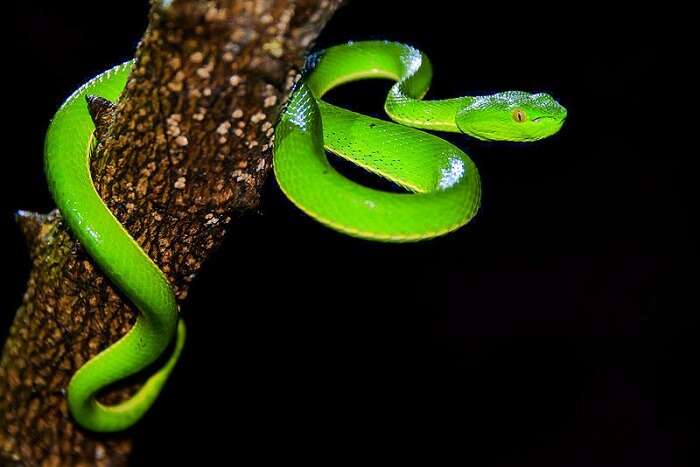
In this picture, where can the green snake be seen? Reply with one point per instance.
(443, 184)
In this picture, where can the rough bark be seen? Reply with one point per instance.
(184, 151)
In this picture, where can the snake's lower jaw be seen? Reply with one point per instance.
(537, 129)
(553, 126)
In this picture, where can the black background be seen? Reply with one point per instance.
(555, 329)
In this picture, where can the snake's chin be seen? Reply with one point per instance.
(539, 128)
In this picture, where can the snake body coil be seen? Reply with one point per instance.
(444, 183)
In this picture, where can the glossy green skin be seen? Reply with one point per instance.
(444, 181)
(66, 163)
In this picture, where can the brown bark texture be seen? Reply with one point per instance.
(183, 152)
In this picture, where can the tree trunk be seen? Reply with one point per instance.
(184, 151)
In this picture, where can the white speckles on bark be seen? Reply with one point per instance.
(196, 57)
(223, 128)
(235, 80)
(257, 117)
(270, 101)
(180, 183)
(274, 48)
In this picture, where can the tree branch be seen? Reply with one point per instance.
(184, 151)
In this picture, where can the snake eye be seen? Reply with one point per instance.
(519, 115)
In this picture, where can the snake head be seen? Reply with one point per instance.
(511, 116)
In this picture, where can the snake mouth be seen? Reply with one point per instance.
(543, 117)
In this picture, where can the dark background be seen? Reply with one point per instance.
(555, 329)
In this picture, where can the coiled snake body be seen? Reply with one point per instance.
(444, 183)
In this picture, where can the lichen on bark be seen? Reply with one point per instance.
(183, 152)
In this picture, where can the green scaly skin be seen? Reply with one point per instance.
(444, 182)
